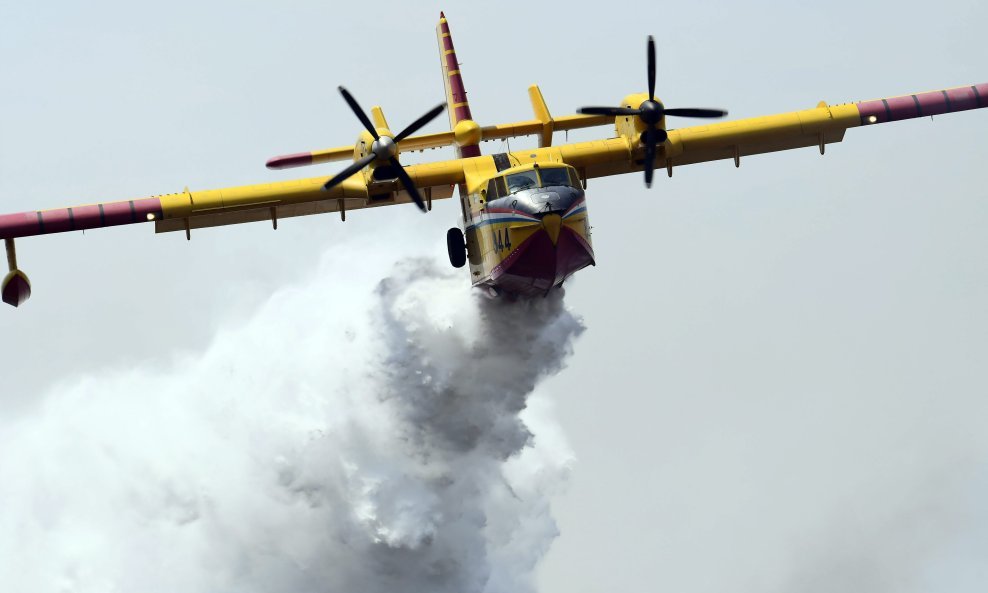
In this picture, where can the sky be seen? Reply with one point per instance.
(780, 382)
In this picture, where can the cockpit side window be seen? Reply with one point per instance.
(496, 189)
(574, 177)
(554, 176)
(520, 181)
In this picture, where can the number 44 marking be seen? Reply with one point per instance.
(502, 240)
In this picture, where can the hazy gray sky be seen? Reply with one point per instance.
(782, 381)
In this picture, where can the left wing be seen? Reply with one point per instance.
(818, 127)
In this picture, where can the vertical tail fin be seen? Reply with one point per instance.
(456, 94)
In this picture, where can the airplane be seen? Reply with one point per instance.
(525, 227)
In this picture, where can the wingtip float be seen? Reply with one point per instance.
(16, 288)
(525, 227)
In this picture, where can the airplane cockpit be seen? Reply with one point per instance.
(534, 189)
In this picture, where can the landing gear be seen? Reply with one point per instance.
(457, 247)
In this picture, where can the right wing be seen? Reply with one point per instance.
(218, 207)
(233, 205)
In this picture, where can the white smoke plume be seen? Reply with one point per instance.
(354, 434)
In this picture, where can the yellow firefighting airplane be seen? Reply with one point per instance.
(524, 213)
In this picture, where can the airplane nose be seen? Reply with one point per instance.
(552, 223)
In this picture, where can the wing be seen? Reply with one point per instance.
(822, 125)
(267, 201)
(189, 210)
(818, 127)
(301, 197)
(234, 205)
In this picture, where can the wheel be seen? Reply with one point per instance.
(456, 247)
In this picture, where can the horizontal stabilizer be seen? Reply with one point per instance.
(530, 127)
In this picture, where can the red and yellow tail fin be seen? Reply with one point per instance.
(460, 119)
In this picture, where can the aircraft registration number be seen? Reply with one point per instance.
(502, 240)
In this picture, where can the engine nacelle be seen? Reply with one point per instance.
(632, 127)
(383, 149)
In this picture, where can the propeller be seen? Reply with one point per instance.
(651, 113)
(384, 148)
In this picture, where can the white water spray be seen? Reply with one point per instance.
(355, 434)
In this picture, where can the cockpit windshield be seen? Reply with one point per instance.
(542, 177)
(533, 189)
(520, 181)
(554, 176)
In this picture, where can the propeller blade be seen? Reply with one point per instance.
(415, 125)
(358, 112)
(695, 112)
(649, 164)
(607, 111)
(651, 67)
(408, 183)
(350, 170)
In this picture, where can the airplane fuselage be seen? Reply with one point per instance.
(527, 230)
